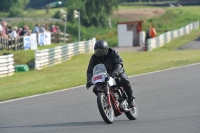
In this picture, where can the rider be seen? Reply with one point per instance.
(114, 65)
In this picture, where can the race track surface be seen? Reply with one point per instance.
(168, 102)
(192, 45)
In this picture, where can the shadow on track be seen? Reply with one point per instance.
(70, 124)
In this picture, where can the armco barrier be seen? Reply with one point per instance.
(50, 57)
(167, 37)
(6, 65)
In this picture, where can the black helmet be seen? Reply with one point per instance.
(101, 48)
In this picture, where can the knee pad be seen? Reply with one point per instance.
(123, 79)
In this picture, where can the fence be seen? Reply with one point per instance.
(18, 43)
(11, 43)
(57, 38)
(32, 19)
(169, 36)
(50, 57)
(6, 65)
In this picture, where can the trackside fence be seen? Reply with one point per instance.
(19, 43)
(6, 65)
(167, 37)
(59, 54)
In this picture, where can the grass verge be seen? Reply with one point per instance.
(71, 73)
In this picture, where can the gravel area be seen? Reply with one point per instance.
(138, 14)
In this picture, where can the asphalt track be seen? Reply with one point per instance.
(192, 45)
(168, 101)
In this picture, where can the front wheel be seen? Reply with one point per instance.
(133, 113)
(106, 112)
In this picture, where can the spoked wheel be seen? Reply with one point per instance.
(106, 112)
(133, 113)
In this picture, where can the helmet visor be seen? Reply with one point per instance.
(100, 52)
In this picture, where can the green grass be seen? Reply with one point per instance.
(134, 7)
(173, 19)
(71, 73)
(40, 13)
(191, 9)
(153, 61)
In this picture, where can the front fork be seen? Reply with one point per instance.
(108, 96)
(106, 90)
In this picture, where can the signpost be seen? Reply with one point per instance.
(77, 15)
(63, 15)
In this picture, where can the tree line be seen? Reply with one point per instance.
(5, 5)
(14, 7)
(148, 0)
(92, 12)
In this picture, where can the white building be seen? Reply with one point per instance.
(130, 34)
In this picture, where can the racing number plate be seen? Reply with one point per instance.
(98, 78)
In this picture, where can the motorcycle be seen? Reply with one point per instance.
(111, 98)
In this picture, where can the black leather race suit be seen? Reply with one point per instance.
(112, 62)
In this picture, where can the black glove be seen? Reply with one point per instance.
(88, 84)
(115, 74)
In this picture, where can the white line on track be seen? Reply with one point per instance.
(8, 101)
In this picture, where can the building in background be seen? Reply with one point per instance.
(130, 33)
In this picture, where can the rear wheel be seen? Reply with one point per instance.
(133, 113)
(106, 112)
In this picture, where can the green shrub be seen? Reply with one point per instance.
(173, 19)
(57, 15)
(15, 11)
(3, 14)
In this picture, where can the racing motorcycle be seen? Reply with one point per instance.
(112, 99)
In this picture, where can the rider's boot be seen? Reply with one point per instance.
(131, 98)
(131, 102)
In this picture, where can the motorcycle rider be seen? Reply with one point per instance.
(114, 65)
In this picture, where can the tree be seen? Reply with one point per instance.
(17, 7)
(40, 3)
(14, 7)
(5, 5)
(93, 12)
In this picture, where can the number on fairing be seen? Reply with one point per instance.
(98, 78)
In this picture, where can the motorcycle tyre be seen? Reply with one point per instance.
(101, 109)
(130, 115)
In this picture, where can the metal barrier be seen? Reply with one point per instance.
(167, 37)
(50, 57)
(6, 65)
